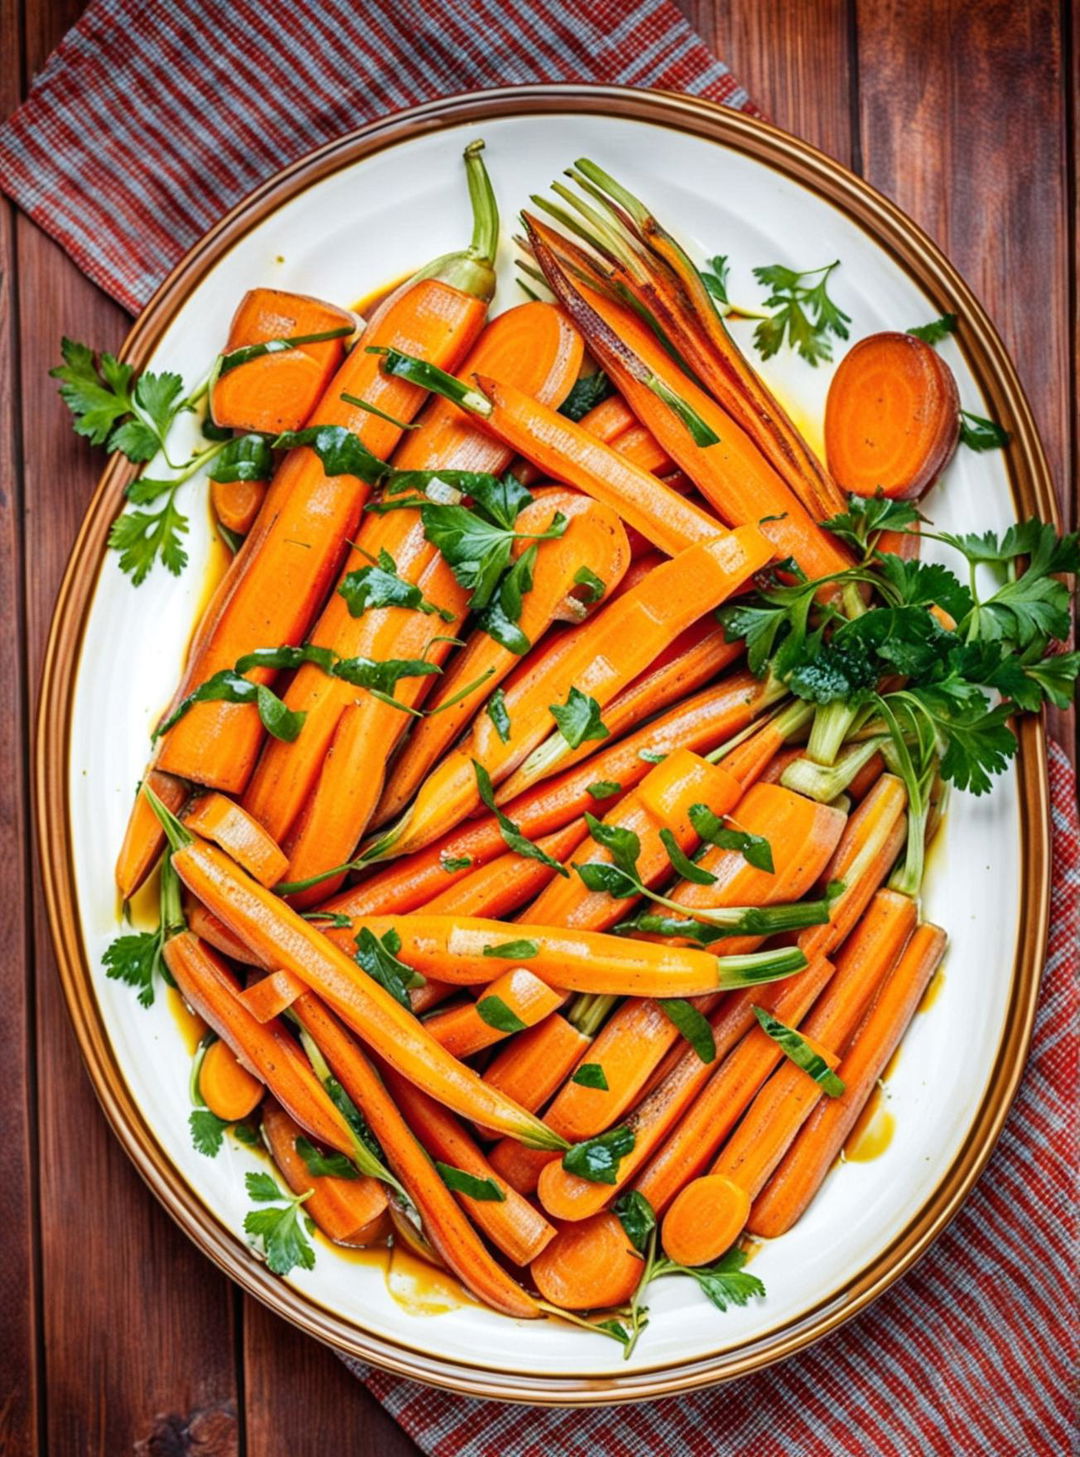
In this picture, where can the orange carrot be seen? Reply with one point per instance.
(504, 885)
(236, 504)
(280, 937)
(218, 818)
(267, 1051)
(226, 1086)
(704, 1220)
(511, 1223)
(588, 1266)
(892, 417)
(272, 994)
(522, 998)
(445, 1224)
(209, 929)
(532, 1066)
(804, 1167)
(348, 1211)
(623, 639)
(277, 391)
(143, 838)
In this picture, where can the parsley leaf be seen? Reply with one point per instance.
(340, 451)
(513, 950)
(277, 1228)
(803, 312)
(378, 957)
(868, 516)
(229, 686)
(591, 1075)
(207, 1131)
(755, 849)
(597, 1159)
(693, 1025)
(586, 394)
(579, 718)
(796, 1048)
(635, 1214)
(322, 1165)
(715, 276)
(477, 549)
(453, 863)
(133, 959)
(380, 585)
(512, 836)
(595, 586)
(603, 789)
(245, 458)
(725, 1283)
(496, 710)
(681, 863)
(978, 433)
(462, 1182)
(936, 330)
(495, 1012)
(142, 537)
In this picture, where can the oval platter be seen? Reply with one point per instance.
(341, 223)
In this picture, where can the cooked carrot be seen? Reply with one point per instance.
(593, 538)
(216, 817)
(504, 885)
(623, 639)
(272, 994)
(143, 838)
(511, 1223)
(704, 1220)
(215, 933)
(641, 448)
(892, 417)
(732, 474)
(701, 722)
(532, 1066)
(804, 1167)
(226, 1086)
(467, 949)
(236, 504)
(609, 419)
(348, 1211)
(464, 1030)
(565, 1196)
(268, 1051)
(281, 937)
(445, 1224)
(588, 1266)
(278, 391)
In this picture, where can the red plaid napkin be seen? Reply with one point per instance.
(147, 123)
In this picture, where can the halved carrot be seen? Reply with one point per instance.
(892, 417)
(143, 838)
(216, 817)
(214, 932)
(623, 639)
(348, 1211)
(236, 504)
(588, 1266)
(272, 994)
(278, 391)
(281, 937)
(445, 1224)
(511, 1223)
(804, 1167)
(225, 1085)
(464, 1030)
(705, 1219)
(532, 1066)
(268, 1051)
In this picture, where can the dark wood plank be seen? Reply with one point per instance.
(299, 1398)
(793, 58)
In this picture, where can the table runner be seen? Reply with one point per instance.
(144, 126)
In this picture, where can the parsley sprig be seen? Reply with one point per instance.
(136, 958)
(802, 312)
(278, 1227)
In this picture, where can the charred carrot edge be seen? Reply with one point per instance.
(445, 1224)
(277, 392)
(804, 1167)
(348, 1211)
(144, 839)
(512, 1224)
(588, 1266)
(267, 1050)
(216, 817)
(659, 1121)
(462, 1030)
(280, 937)
(225, 1085)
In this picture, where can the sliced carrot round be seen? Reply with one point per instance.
(705, 1219)
(892, 418)
(228, 1089)
(588, 1266)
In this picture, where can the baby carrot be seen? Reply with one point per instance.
(532, 1066)
(216, 817)
(522, 1000)
(348, 1211)
(588, 1266)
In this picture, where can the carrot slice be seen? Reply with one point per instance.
(278, 391)
(522, 998)
(704, 1220)
(226, 1086)
(588, 1266)
(237, 503)
(348, 1211)
(892, 417)
(218, 818)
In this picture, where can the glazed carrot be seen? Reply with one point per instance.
(704, 1220)
(446, 1226)
(348, 1211)
(701, 722)
(272, 994)
(280, 575)
(277, 391)
(466, 950)
(226, 1086)
(268, 1051)
(588, 1266)
(143, 838)
(236, 504)
(532, 1066)
(504, 885)
(280, 937)
(209, 929)
(664, 1112)
(732, 474)
(641, 448)
(609, 419)
(623, 639)
(892, 417)
(216, 817)
(804, 1167)
(464, 1030)
(511, 1223)
(594, 538)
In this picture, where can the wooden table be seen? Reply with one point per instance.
(117, 1336)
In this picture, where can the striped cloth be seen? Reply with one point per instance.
(144, 126)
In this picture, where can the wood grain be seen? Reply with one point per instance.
(117, 1336)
